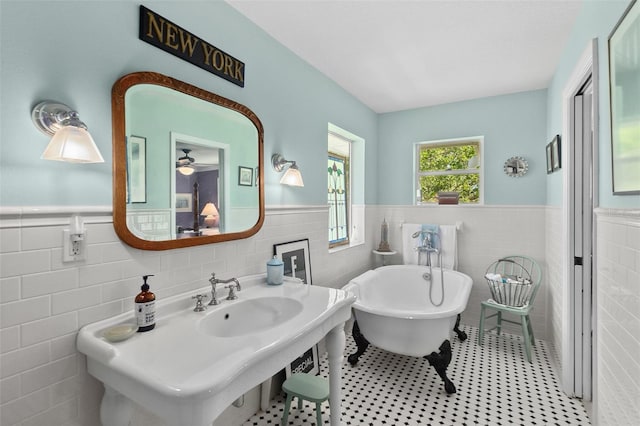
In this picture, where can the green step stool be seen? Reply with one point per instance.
(305, 386)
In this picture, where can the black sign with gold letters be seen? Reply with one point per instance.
(165, 35)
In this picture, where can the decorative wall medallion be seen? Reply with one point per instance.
(516, 166)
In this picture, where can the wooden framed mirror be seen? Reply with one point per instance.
(177, 154)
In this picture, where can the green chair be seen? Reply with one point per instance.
(512, 266)
(308, 387)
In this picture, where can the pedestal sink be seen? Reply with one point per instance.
(194, 364)
(250, 316)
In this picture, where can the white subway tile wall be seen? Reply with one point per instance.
(618, 317)
(488, 233)
(553, 277)
(43, 301)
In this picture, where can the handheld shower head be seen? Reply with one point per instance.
(416, 234)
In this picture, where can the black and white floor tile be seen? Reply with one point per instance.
(495, 386)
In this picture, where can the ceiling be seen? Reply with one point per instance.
(395, 55)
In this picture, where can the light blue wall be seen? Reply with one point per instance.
(596, 20)
(151, 116)
(511, 125)
(73, 52)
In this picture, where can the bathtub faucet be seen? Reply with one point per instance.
(427, 241)
(427, 245)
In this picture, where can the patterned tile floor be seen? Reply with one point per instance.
(495, 386)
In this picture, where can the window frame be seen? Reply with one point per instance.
(347, 183)
(479, 140)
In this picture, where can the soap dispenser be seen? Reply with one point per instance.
(145, 303)
(275, 271)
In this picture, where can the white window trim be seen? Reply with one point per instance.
(457, 141)
(349, 189)
(356, 211)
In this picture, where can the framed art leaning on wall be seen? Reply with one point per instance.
(297, 264)
(295, 256)
(624, 89)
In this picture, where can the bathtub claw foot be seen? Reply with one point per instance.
(462, 336)
(361, 342)
(440, 362)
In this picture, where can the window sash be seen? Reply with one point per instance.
(441, 171)
(338, 199)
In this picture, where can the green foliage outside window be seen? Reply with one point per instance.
(446, 168)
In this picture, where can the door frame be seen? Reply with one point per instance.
(586, 67)
(224, 177)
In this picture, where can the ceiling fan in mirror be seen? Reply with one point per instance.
(184, 163)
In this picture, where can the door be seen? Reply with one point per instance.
(581, 210)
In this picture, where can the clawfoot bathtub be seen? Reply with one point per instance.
(394, 311)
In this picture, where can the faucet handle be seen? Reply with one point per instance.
(199, 306)
(232, 292)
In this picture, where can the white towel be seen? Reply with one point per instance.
(448, 246)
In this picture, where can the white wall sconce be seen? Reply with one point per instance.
(71, 142)
(292, 176)
(210, 213)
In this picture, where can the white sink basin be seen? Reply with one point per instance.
(250, 316)
(194, 364)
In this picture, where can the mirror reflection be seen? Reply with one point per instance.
(196, 187)
(178, 155)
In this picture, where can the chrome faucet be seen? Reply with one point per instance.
(199, 306)
(232, 289)
(429, 237)
(427, 244)
(427, 241)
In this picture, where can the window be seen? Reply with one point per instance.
(452, 165)
(339, 197)
(345, 189)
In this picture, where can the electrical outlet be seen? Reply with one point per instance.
(74, 246)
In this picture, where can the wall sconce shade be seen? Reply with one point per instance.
(211, 214)
(292, 176)
(71, 141)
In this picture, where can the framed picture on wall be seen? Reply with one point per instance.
(295, 256)
(183, 202)
(549, 159)
(137, 166)
(555, 153)
(245, 176)
(624, 81)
